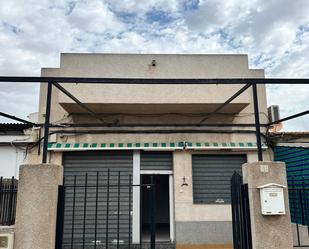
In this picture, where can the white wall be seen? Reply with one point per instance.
(10, 160)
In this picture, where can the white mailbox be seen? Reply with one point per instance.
(272, 199)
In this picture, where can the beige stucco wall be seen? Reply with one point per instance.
(138, 66)
(198, 96)
(185, 209)
(36, 212)
(154, 98)
(268, 231)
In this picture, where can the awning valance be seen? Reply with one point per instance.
(153, 146)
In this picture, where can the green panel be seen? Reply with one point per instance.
(181, 144)
(280, 155)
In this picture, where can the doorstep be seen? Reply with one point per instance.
(205, 246)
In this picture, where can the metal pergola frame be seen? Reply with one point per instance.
(55, 81)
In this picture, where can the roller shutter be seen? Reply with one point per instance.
(76, 165)
(212, 175)
(156, 160)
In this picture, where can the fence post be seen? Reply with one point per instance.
(107, 209)
(152, 214)
(130, 199)
(37, 199)
(268, 231)
(1, 196)
(60, 214)
(11, 193)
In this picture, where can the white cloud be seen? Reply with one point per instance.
(142, 7)
(275, 35)
(94, 16)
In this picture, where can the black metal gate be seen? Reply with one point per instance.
(299, 209)
(240, 213)
(96, 212)
(8, 200)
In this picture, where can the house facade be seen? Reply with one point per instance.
(292, 148)
(168, 132)
(13, 147)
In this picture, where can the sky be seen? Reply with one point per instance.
(274, 34)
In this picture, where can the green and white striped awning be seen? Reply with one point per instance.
(153, 146)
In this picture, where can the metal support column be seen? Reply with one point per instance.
(47, 121)
(257, 122)
(152, 216)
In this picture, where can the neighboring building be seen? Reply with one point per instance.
(293, 149)
(192, 164)
(13, 148)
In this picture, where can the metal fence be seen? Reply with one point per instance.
(299, 202)
(299, 207)
(95, 209)
(8, 198)
(240, 213)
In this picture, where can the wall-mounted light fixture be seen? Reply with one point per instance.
(153, 63)
(184, 183)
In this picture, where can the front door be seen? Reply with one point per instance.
(162, 207)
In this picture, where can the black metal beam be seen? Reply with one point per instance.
(290, 117)
(257, 122)
(165, 131)
(227, 102)
(47, 121)
(20, 79)
(67, 93)
(17, 119)
(93, 125)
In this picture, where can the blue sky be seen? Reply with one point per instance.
(275, 35)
